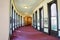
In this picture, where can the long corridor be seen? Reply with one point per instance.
(29, 33)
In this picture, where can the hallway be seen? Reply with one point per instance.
(17, 15)
(31, 34)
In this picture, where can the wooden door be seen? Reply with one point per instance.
(27, 20)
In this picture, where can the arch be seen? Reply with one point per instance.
(53, 10)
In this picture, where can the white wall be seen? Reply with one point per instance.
(4, 19)
(59, 11)
(59, 15)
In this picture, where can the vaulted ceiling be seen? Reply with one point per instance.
(26, 6)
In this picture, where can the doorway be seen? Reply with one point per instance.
(41, 13)
(27, 20)
(53, 18)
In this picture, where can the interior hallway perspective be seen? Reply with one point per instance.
(29, 19)
(31, 34)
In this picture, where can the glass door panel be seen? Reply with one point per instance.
(42, 14)
(38, 25)
(59, 33)
(34, 21)
(38, 21)
(53, 23)
(46, 30)
(46, 25)
(53, 17)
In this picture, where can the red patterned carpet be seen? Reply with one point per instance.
(28, 33)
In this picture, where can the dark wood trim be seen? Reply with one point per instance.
(49, 25)
(16, 20)
(58, 29)
(40, 17)
(21, 20)
(36, 18)
(12, 18)
(33, 19)
(41, 29)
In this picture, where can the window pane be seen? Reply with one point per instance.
(38, 20)
(59, 26)
(22, 21)
(45, 22)
(53, 17)
(59, 33)
(46, 30)
(35, 20)
(42, 18)
(34, 24)
(38, 24)
(41, 23)
(59, 23)
(38, 27)
(53, 10)
(42, 13)
(13, 13)
(53, 23)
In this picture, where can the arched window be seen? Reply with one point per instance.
(53, 17)
(53, 10)
(42, 14)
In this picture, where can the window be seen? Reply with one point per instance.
(53, 17)
(38, 21)
(46, 24)
(34, 20)
(42, 14)
(15, 20)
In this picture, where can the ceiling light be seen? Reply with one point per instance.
(25, 7)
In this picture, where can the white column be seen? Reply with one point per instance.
(58, 1)
(4, 19)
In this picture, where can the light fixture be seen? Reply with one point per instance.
(25, 7)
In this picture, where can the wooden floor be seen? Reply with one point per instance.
(28, 33)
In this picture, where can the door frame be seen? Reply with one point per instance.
(41, 29)
(49, 17)
(36, 18)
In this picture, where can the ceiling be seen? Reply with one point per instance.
(26, 6)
